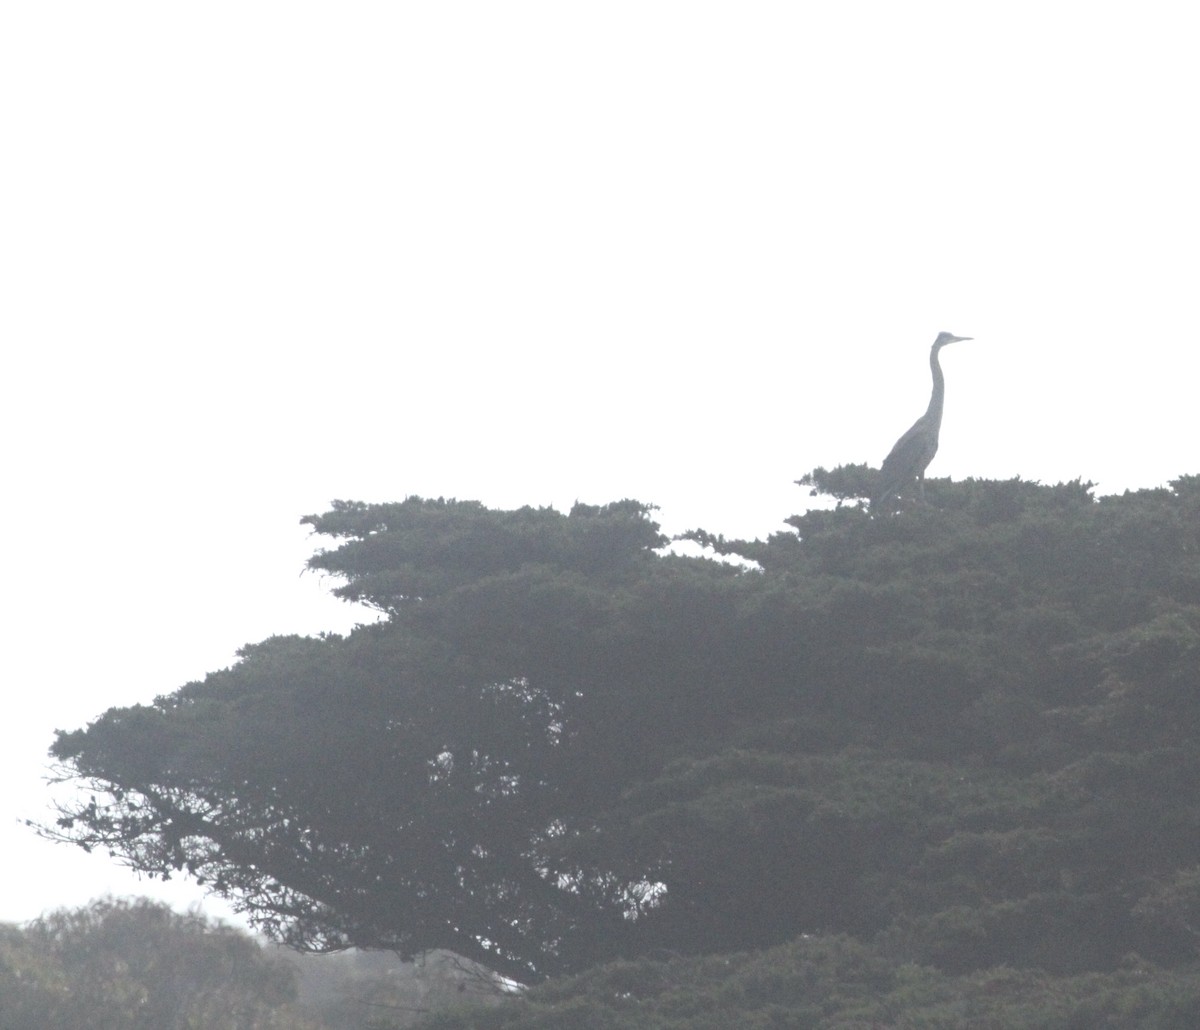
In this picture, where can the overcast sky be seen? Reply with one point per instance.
(257, 256)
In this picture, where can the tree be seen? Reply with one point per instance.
(129, 965)
(407, 786)
(966, 731)
(837, 983)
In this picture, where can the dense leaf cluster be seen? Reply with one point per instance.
(136, 965)
(836, 983)
(966, 733)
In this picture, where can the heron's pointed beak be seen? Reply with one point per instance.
(959, 339)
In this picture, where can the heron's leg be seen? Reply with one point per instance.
(921, 487)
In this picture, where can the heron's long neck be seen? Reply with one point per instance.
(934, 412)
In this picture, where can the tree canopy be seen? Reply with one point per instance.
(136, 965)
(965, 733)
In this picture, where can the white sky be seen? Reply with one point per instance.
(256, 256)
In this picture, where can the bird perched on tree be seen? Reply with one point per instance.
(914, 451)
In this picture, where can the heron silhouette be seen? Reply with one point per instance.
(913, 452)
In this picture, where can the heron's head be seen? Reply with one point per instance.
(945, 338)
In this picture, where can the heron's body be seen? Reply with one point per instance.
(913, 452)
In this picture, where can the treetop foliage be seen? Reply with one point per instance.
(136, 965)
(834, 982)
(964, 734)
(420, 549)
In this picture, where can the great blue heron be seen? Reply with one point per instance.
(914, 451)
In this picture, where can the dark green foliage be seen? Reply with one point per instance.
(965, 734)
(835, 983)
(420, 549)
(137, 965)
